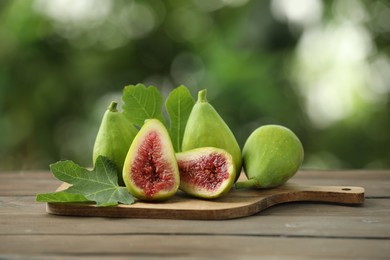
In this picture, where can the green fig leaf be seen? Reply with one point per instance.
(99, 185)
(141, 103)
(61, 196)
(179, 104)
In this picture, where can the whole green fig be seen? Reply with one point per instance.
(114, 138)
(206, 128)
(271, 155)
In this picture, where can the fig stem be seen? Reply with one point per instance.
(247, 184)
(202, 95)
(112, 106)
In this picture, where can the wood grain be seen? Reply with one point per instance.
(236, 204)
(314, 226)
(190, 247)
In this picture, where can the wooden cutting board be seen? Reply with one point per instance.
(235, 204)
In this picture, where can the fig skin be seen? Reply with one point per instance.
(114, 137)
(272, 155)
(197, 155)
(206, 128)
(168, 157)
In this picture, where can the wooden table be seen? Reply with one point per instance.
(296, 230)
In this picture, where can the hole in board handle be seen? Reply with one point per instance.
(346, 189)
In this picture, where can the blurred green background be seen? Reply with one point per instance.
(321, 68)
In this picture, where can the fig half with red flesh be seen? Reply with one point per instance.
(206, 172)
(150, 171)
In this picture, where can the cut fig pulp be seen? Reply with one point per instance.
(150, 171)
(206, 172)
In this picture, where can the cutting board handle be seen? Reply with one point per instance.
(330, 194)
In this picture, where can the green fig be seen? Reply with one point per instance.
(206, 172)
(150, 171)
(206, 128)
(272, 155)
(114, 138)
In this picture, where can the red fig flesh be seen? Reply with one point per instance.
(206, 172)
(150, 171)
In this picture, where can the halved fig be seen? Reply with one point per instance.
(150, 171)
(206, 172)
